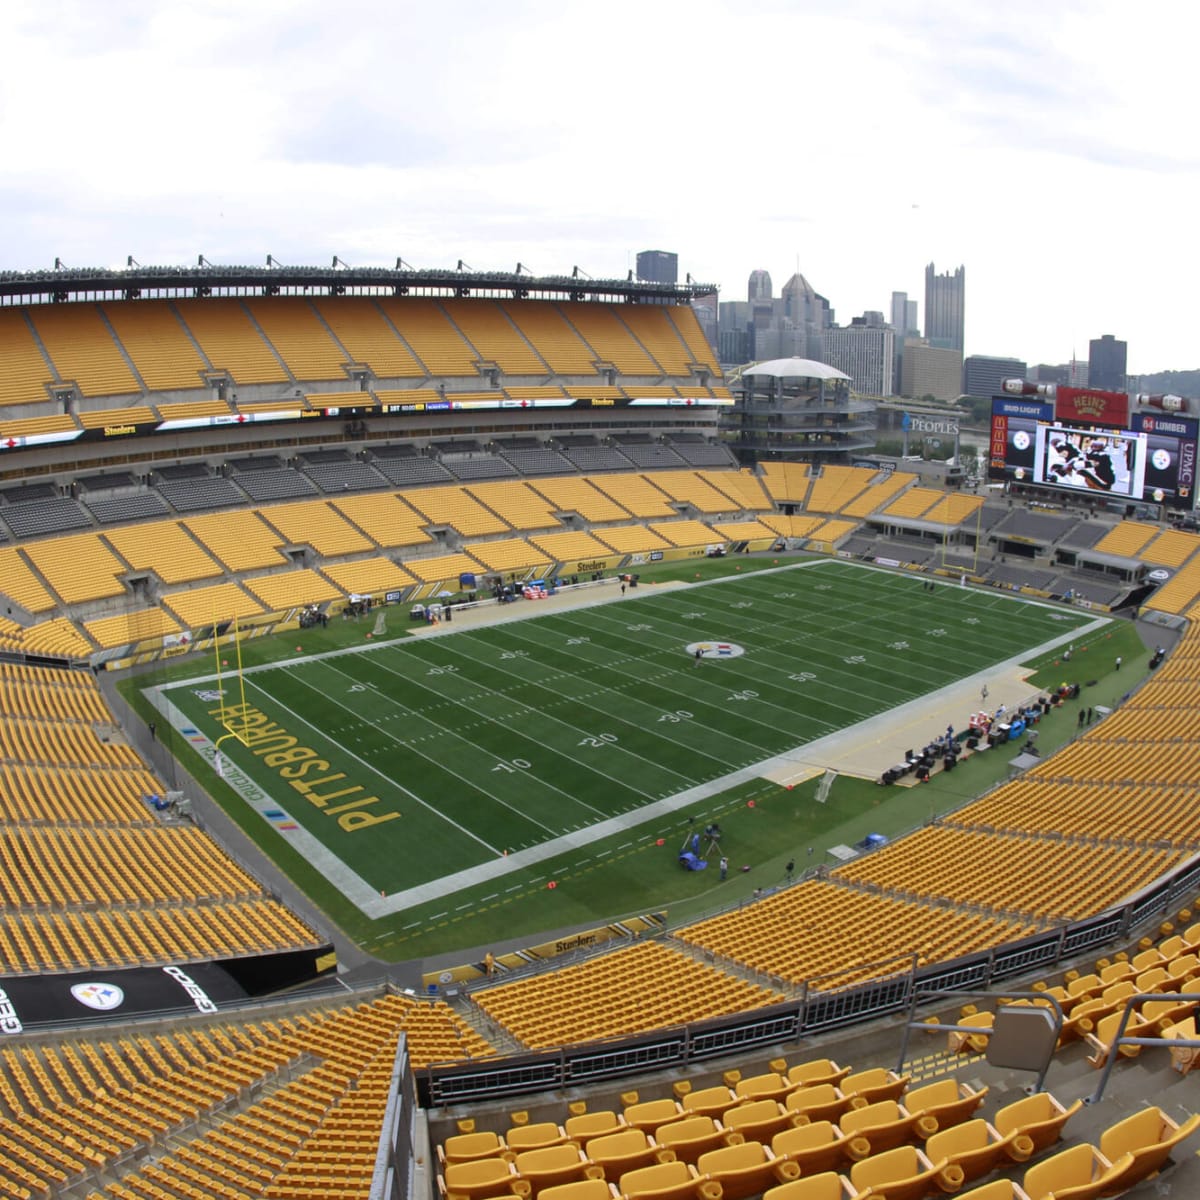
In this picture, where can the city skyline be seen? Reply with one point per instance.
(1000, 138)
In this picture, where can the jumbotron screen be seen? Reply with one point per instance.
(1154, 460)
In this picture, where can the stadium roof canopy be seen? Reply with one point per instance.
(795, 368)
(137, 282)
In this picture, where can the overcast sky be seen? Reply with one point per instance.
(1050, 147)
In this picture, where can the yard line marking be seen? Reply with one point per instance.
(374, 770)
(441, 766)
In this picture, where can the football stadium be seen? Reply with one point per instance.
(437, 760)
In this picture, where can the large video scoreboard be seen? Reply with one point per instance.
(1085, 441)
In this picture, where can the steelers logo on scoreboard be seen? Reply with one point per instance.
(1161, 459)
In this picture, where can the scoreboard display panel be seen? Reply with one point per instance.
(1152, 460)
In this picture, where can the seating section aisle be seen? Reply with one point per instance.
(224, 332)
(361, 327)
(283, 1107)
(90, 877)
(155, 340)
(786, 483)
(646, 986)
(316, 523)
(438, 345)
(26, 371)
(165, 548)
(299, 337)
(78, 567)
(456, 507)
(368, 576)
(742, 487)
(486, 325)
(838, 486)
(635, 493)
(240, 540)
(516, 503)
(1049, 879)
(82, 348)
(604, 329)
(878, 494)
(579, 496)
(386, 519)
(565, 352)
(850, 936)
(688, 487)
(20, 584)
(511, 555)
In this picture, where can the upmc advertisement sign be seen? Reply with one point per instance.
(1170, 457)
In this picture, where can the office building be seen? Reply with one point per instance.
(864, 350)
(1106, 364)
(1049, 373)
(984, 375)
(927, 370)
(658, 266)
(759, 287)
(945, 307)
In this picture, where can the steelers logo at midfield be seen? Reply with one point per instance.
(715, 650)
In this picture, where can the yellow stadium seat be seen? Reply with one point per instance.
(977, 1148)
(584, 1126)
(1040, 1117)
(819, 1070)
(998, 1189)
(904, 1173)
(535, 1135)
(746, 1170)
(668, 1181)
(466, 1147)
(883, 1125)
(829, 1185)
(943, 1103)
(479, 1180)
(650, 1114)
(583, 1189)
(617, 1153)
(1079, 1173)
(821, 1102)
(552, 1165)
(820, 1146)
(876, 1084)
(693, 1136)
(1147, 1138)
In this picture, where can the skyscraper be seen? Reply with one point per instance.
(658, 266)
(945, 302)
(759, 287)
(1106, 364)
(984, 374)
(864, 350)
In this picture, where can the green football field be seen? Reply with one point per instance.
(427, 774)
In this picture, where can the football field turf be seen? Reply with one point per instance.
(412, 770)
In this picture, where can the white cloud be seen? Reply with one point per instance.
(1047, 146)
